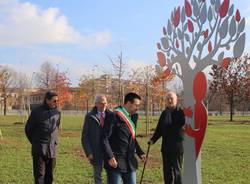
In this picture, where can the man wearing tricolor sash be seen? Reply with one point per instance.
(120, 143)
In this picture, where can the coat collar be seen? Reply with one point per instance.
(95, 112)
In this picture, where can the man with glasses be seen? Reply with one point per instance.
(41, 130)
(92, 134)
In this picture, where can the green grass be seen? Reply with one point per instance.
(226, 118)
(225, 153)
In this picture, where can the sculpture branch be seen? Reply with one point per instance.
(170, 66)
(209, 36)
(217, 31)
(194, 42)
(182, 40)
(204, 63)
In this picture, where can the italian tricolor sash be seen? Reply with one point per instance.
(121, 111)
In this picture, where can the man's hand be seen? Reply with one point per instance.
(90, 157)
(188, 112)
(112, 162)
(143, 157)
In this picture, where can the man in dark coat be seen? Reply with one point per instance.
(171, 128)
(120, 143)
(41, 130)
(92, 134)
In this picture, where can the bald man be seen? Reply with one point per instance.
(170, 128)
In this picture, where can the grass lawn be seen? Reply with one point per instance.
(225, 153)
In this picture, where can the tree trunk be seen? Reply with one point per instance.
(119, 93)
(1, 135)
(5, 106)
(220, 107)
(147, 109)
(231, 106)
(87, 106)
(153, 108)
(243, 109)
(207, 102)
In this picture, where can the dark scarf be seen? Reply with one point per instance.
(168, 118)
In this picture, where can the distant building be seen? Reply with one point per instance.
(36, 98)
(12, 99)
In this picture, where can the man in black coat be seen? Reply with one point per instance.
(41, 130)
(120, 143)
(92, 135)
(171, 128)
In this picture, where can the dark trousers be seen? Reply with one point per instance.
(172, 167)
(43, 169)
(97, 173)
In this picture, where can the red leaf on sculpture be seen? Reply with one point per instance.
(177, 44)
(188, 9)
(205, 34)
(237, 15)
(159, 46)
(190, 26)
(176, 18)
(225, 62)
(224, 8)
(210, 46)
(161, 59)
(164, 31)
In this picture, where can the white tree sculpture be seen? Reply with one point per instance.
(198, 35)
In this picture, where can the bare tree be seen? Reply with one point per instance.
(7, 79)
(87, 90)
(149, 74)
(46, 75)
(119, 66)
(140, 81)
(22, 87)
